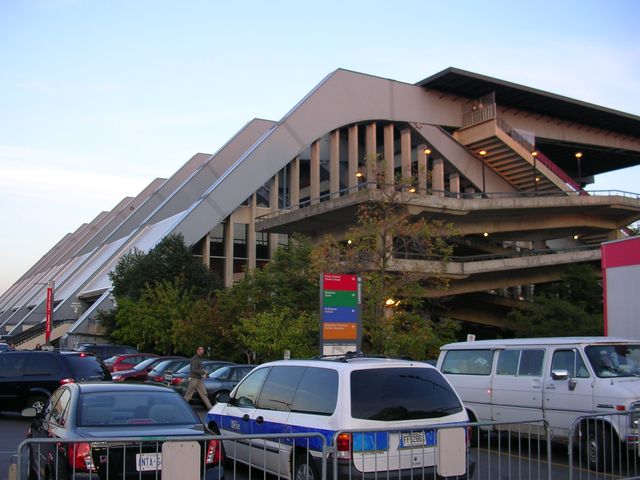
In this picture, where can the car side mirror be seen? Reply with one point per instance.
(29, 412)
(223, 397)
(560, 374)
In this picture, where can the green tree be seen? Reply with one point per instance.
(170, 260)
(287, 283)
(162, 296)
(385, 247)
(266, 335)
(572, 306)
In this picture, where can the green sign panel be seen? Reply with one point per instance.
(340, 298)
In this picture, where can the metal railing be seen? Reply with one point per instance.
(605, 445)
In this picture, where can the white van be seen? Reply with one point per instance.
(551, 379)
(381, 417)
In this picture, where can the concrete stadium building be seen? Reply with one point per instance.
(507, 164)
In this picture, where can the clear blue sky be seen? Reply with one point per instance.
(99, 98)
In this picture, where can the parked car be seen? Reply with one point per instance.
(172, 365)
(179, 379)
(4, 347)
(126, 361)
(28, 377)
(104, 350)
(224, 379)
(379, 415)
(557, 380)
(82, 412)
(140, 371)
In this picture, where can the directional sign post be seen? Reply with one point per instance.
(340, 313)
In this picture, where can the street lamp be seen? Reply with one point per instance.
(578, 157)
(534, 154)
(482, 154)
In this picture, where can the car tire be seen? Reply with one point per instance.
(304, 467)
(38, 402)
(600, 447)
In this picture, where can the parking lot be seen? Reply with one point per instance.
(496, 457)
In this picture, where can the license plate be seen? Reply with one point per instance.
(413, 439)
(148, 461)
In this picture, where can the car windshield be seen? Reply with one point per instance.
(145, 363)
(404, 393)
(117, 408)
(86, 367)
(220, 373)
(614, 360)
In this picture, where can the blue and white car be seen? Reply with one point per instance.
(378, 416)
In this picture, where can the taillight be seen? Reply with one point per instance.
(176, 381)
(79, 457)
(343, 446)
(67, 380)
(213, 452)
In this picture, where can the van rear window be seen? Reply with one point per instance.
(389, 394)
(468, 362)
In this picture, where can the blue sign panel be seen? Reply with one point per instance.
(339, 314)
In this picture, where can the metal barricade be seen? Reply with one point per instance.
(171, 456)
(479, 450)
(605, 446)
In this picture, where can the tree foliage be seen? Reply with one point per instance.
(572, 306)
(164, 299)
(170, 260)
(266, 335)
(288, 284)
(385, 247)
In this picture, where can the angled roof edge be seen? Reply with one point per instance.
(462, 82)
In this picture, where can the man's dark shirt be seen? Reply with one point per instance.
(196, 370)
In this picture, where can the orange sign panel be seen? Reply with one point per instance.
(339, 331)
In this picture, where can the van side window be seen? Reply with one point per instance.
(247, 391)
(41, 365)
(531, 363)
(468, 362)
(279, 388)
(571, 361)
(317, 392)
(508, 362)
(524, 363)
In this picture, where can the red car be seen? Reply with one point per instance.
(126, 361)
(140, 371)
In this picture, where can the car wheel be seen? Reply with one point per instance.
(304, 467)
(38, 402)
(599, 447)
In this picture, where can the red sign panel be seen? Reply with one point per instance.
(49, 314)
(334, 281)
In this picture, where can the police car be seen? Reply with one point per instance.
(378, 416)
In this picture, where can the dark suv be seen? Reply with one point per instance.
(104, 350)
(27, 378)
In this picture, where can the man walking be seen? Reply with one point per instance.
(195, 378)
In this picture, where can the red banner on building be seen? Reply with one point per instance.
(49, 312)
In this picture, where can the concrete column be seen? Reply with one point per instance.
(389, 158)
(273, 193)
(273, 244)
(251, 233)
(334, 163)
(206, 251)
(454, 184)
(405, 156)
(438, 177)
(353, 158)
(371, 156)
(228, 252)
(422, 170)
(314, 187)
(294, 183)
